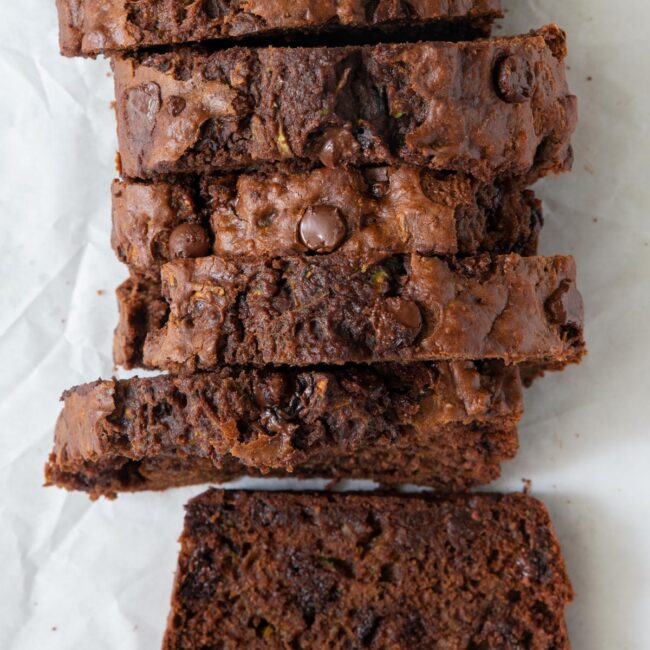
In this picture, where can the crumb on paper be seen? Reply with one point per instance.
(100, 292)
(590, 78)
(595, 219)
(54, 628)
(589, 169)
(528, 486)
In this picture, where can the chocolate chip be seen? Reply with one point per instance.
(337, 145)
(515, 79)
(322, 228)
(406, 312)
(176, 105)
(189, 240)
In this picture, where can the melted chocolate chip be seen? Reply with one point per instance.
(515, 79)
(189, 240)
(557, 307)
(468, 384)
(406, 312)
(375, 175)
(337, 144)
(142, 106)
(378, 182)
(322, 228)
(271, 391)
(396, 324)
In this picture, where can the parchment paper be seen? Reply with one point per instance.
(77, 574)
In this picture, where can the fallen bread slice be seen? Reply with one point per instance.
(319, 570)
(489, 108)
(372, 308)
(446, 426)
(390, 209)
(92, 27)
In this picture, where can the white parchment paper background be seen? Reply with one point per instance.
(79, 575)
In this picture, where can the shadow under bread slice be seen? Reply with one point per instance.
(446, 426)
(489, 108)
(335, 309)
(391, 209)
(93, 27)
(319, 570)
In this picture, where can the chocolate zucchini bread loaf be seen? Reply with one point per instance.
(390, 209)
(292, 570)
(92, 27)
(488, 108)
(334, 309)
(446, 426)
